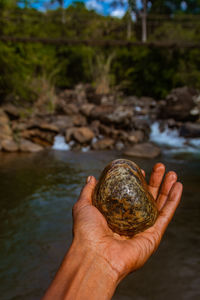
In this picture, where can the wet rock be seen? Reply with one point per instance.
(179, 105)
(9, 146)
(145, 150)
(27, 146)
(103, 144)
(190, 130)
(82, 135)
(42, 137)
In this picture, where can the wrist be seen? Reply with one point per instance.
(83, 275)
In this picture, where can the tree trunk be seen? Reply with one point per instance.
(144, 21)
(129, 29)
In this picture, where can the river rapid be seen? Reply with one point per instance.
(37, 192)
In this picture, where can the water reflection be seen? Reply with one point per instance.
(37, 193)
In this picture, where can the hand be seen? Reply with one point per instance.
(126, 255)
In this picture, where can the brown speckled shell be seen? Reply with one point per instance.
(122, 197)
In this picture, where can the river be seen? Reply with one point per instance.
(37, 192)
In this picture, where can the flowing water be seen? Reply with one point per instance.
(37, 192)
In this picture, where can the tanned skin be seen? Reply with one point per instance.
(98, 258)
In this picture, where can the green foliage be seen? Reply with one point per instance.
(28, 71)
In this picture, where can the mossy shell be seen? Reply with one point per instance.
(121, 195)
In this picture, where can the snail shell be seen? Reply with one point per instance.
(121, 195)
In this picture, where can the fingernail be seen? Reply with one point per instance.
(88, 179)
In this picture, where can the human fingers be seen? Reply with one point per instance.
(169, 181)
(168, 210)
(85, 197)
(156, 179)
(143, 172)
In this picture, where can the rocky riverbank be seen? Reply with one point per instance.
(99, 122)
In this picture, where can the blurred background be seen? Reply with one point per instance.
(82, 83)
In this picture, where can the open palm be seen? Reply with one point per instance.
(126, 255)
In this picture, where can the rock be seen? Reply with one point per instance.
(27, 146)
(13, 112)
(79, 120)
(121, 115)
(69, 134)
(5, 130)
(49, 127)
(41, 137)
(86, 109)
(19, 126)
(103, 144)
(110, 114)
(136, 137)
(190, 130)
(105, 130)
(9, 146)
(95, 126)
(82, 135)
(91, 95)
(179, 105)
(100, 112)
(145, 150)
(66, 108)
(62, 122)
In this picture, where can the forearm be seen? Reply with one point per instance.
(82, 275)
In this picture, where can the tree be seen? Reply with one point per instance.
(61, 3)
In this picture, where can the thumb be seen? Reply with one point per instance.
(85, 197)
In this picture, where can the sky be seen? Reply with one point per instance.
(103, 7)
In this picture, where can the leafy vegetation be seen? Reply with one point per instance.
(27, 67)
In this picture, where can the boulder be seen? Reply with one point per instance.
(9, 146)
(41, 137)
(49, 127)
(86, 109)
(95, 126)
(179, 105)
(5, 130)
(103, 144)
(82, 134)
(122, 115)
(13, 111)
(100, 112)
(27, 146)
(136, 136)
(79, 120)
(145, 150)
(62, 122)
(66, 108)
(190, 130)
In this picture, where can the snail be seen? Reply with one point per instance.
(122, 196)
